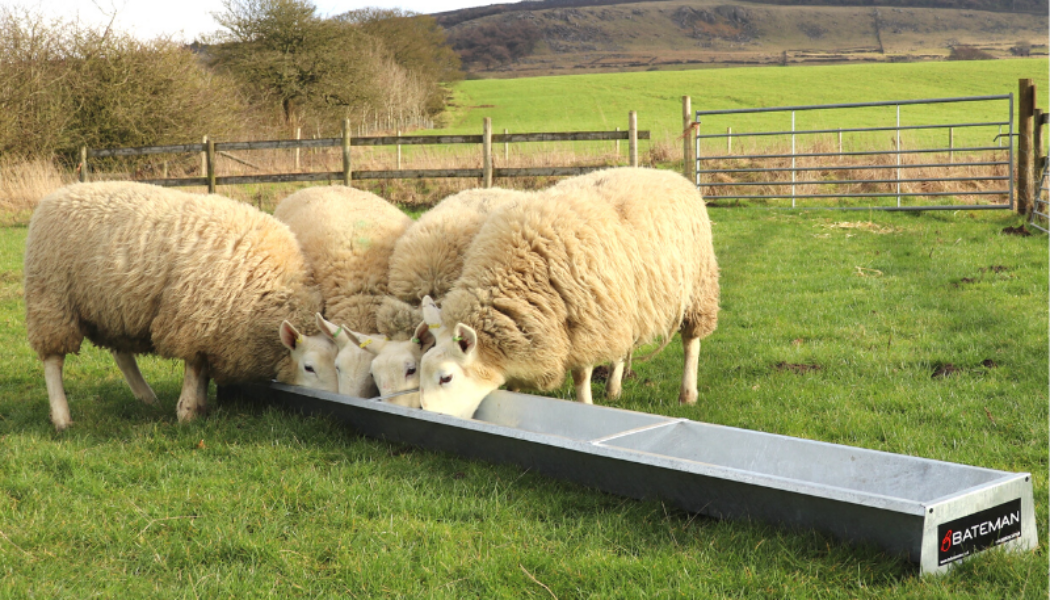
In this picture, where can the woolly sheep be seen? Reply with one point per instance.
(426, 261)
(577, 276)
(140, 269)
(348, 236)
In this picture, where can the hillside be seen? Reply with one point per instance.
(579, 36)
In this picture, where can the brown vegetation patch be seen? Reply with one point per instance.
(944, 370)
(1019, 230)
(800, 369)
(989, 363)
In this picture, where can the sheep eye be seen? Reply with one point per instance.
(309, 369)
(411, 371)
(445, 379)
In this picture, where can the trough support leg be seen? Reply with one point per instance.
(190, 404)
(614, 384)
(56, 392)
(138, 385)
(581, 377)
(691, 362)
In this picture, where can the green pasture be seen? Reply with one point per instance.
(602, 101)
(922, 334)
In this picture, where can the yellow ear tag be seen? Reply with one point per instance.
(435, 326)
(365, 343)
(298, 340)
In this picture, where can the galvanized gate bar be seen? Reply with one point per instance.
(900, 503)
(849, 130)
(896, 154)
(742, 111)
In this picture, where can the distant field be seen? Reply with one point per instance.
(599, 102)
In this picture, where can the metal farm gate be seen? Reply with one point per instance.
(945, 154)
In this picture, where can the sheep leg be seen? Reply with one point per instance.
(581, 377)
(189, 406)
(202, 387)
(614, 384)
(138, 385)
(691, 348)
(56, 392)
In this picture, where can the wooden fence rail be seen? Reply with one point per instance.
(210, 148)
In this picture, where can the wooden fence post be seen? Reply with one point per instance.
(298, 136)
(617, 146)
(688, 161)
(632, 137)
(1039, 142)
(210, 160)
(1026, 110)
(347, 174)
(486, 152)
(399, 151)
(506, 148)
(83, 164)
(204, 157)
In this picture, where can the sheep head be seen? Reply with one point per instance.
(454, 379)
(312, 360)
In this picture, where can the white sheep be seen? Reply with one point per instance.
(426, 261)
(139, 269)
(347, 236)
(577, 276)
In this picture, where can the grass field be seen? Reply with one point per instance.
(253, 502)
(601, 102)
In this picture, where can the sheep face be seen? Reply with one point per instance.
(312, 360)
(395, 367)
(352, 364)
(453, 380)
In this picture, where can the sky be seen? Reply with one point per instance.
(188, 19)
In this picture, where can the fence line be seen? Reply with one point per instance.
(209, 148)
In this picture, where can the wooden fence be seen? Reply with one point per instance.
(210, 149)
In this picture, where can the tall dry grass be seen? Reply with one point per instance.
(23, 182)
(965, 180)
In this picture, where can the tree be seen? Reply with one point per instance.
(415, 42)
(284, 51)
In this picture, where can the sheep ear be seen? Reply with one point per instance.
(424, 337)
(466, 339)
(370, 343)
(328, 328)
(289, 336)
(431, 312)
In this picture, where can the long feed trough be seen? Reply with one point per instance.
(935, 513)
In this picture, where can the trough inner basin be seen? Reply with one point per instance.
(805, 461)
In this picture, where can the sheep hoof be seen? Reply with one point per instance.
(149, 398)
(687, 397)
(62, 424)
(187, 413)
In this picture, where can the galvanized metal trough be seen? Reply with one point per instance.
(935, 513)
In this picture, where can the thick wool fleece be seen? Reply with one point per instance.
(347, 236)
(586, 271)
(428, 258)
(140, 268)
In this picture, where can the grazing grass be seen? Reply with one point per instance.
(602, 101)
(833, 327)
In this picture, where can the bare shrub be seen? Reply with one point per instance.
(64, 85)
